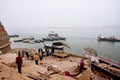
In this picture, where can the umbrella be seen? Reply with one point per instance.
(60, 44)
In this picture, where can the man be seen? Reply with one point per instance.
(19, 62)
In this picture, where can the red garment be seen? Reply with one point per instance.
(81, 65)
(19, 60)
(69, 74)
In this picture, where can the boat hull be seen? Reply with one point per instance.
(106, 67)
(55, 47)
(18, 40)
(108, 39)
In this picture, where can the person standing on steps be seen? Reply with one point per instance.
(36, 58)
(19, 62)
(52, 50)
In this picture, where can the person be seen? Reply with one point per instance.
(36, 58)
(47, 52)
(39, 50)
(40, 54)
(23, 53)
(52, 50)
(81, 65)
(31, 54)
(19, 62)
(96, 61)
(27, 53)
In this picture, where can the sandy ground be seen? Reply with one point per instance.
(8, 69)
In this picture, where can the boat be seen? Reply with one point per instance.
(111, 39)
(48, 39)
(55, 47)
(15, 35)
(103, 67)
(55, 36)
(23, 40)
(20, 40)
(27, 41)
(28, 38)
(52, 36)
(38, 40)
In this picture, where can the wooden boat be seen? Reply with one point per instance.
(24, 40)
(20, 40)
(48, 39)
(104, 68)
(15, 35)
(111, 39)
(107, 68)
(55, 47)
(37, 41)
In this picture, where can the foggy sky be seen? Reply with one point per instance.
(59, 13)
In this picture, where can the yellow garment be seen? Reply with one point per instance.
(36, 57)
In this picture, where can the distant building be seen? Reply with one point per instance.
(4, 40)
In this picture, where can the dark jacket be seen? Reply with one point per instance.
(19, 60)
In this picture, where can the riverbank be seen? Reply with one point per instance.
(30, 69)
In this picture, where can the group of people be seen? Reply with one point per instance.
(33, 55)
(39, 56)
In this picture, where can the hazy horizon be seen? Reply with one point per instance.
(20, 15)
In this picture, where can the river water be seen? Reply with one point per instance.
(78, 39)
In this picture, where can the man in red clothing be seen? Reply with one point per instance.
(19, 62)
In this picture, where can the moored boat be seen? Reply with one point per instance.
(104, 68)
(20, 40)
(52, 36)
(111, 39)
(15, 35)
(55, 47)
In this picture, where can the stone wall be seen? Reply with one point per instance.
(4, 40)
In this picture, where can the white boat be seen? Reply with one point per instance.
(53, 36)
(55, 46)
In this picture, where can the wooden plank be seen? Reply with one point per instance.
(43, 75)
(33, 77)
(40, 76)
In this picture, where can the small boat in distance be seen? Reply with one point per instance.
(15, 35)
(111, 39)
